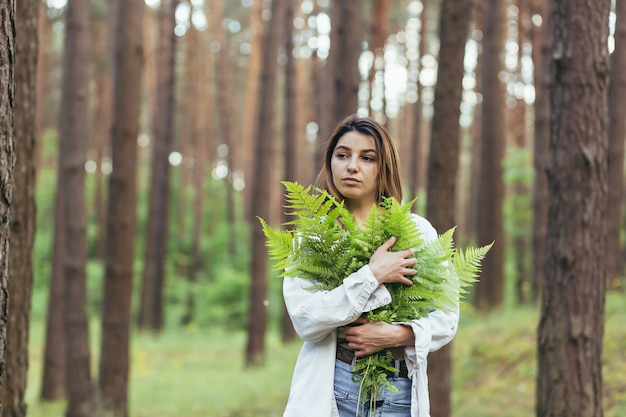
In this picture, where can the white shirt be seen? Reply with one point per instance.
(316, 316)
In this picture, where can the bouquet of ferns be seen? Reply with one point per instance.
(324, 245)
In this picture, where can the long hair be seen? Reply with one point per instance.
(389, 179)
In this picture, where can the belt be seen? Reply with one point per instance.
(347, 356)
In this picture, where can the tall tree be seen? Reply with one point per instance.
(265, 149)
(541, 49)
(151, 308)
(378, 37)
(346, 48)
(443, 163)
(490, 193)
(73, 134)
(121, 209)
(203, 135)
(519, 190)
(22, 212)
(253, 75)
(617, 136)
(571, 326)
(44, 29)
(103, 29)
(416, 177)
(225, 111)
(290, 137)
(339, 92)
(7, 155)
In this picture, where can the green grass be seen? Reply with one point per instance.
(200, 372)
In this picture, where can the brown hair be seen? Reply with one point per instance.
(389, 180)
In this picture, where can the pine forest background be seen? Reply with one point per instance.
(141, 139)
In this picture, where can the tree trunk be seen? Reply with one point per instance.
(203, 133)
(22, 212)
(73, 134)
(99, 148)
(541, 58)
(617, 136)
(490, 193)
(7, 157)
(290, 152)
(416, 171)
(250, 111)
(347, 35)
(151, 309)
(443, 163)
(121, 210)
(519, 190)
(225, 112)
(569, 378)
(264, 151)
(378, 37)
(44, 28)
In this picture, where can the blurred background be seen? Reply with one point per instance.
(163, 129)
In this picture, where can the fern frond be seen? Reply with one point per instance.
(467, 264)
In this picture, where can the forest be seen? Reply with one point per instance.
(141, 140)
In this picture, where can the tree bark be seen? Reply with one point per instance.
(617, 136)
(443, 164)
(7, 158)
(73, 134)
(121, 210)
(151, 309)
(22, 212)
(265, 149)
(490, 193)
(569, 378)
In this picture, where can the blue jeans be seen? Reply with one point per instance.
(388, 403)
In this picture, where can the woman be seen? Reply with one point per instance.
(361, 166)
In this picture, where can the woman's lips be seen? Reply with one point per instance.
(351, 181)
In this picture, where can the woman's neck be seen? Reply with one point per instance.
(360, 210)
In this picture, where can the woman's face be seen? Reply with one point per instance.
(354, 167)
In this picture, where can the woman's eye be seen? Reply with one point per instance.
(368, 158)
(341, 155)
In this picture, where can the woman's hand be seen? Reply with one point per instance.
(368, 337)
(392, 266)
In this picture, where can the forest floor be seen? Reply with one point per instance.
(197, 372)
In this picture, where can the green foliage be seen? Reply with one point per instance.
(325, 244)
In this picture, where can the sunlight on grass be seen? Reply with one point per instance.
(201, 373)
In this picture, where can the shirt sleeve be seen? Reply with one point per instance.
(316, 313)
(438, 328)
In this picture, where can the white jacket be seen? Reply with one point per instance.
(316, 316)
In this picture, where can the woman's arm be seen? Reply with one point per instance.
(316, 313)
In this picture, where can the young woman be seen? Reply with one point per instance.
(361, 166)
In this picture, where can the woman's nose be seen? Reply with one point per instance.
(353, 166)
